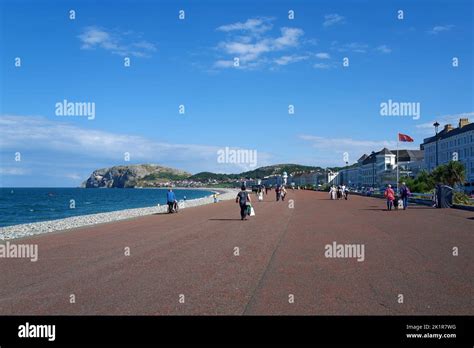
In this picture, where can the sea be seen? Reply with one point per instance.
(25, 205)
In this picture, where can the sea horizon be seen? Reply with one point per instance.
(38, 204)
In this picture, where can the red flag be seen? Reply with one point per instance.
(404, 137)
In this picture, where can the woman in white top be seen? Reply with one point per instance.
(332, 192)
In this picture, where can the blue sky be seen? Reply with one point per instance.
(190, 62)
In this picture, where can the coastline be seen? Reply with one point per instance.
(36, 228)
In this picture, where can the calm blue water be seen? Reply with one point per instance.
(23, 205)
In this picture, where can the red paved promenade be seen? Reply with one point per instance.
(281, 253)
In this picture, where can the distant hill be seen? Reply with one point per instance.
(261, 172)
(258, 173)
(207, 176)
(136, 175)
(153, 175)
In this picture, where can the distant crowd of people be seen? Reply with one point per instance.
(394, 201)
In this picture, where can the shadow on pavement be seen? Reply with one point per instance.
(224, 219)
(409, 208)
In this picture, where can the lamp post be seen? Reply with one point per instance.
(373, 169)
(436, 125)
(347, 171)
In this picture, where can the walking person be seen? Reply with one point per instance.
(278, 192)
(332, 192)
(390, 195)
(283, 193)
(171, 200)
(339, 193)
(243, 198)
(434, 198)
(404, 194)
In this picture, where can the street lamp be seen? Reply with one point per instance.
(347, 170)
(436, 125)
(373, 169)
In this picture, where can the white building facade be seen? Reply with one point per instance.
(380, 168)
(452, 144)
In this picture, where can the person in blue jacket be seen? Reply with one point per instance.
(171, 200)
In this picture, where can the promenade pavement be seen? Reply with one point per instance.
(281, 257)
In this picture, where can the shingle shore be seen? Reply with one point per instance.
(30, 229)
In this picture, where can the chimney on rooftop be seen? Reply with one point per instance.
(448, 127)
(463, 122)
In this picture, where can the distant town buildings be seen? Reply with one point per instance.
(380, 168)
(452, 144)
(314, 178)
(272, 180)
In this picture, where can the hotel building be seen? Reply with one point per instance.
(452, 144)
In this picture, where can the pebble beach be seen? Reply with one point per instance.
(36, 228)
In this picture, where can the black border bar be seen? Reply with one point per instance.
(222, 330)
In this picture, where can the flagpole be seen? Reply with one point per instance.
(398, 138)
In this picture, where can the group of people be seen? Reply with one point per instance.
(245, 201)
(397, 201)
(339, 192)
(280, 192)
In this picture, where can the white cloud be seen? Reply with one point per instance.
(323, 55)
(332, 19)
(322, 66)
(74, 176)
(383, 49)
(440, 28)
(13, 171)
(427, 128)
(252, 25)
(95, 37)
(253, 50)
(95, 146)
(331, 149)
(224, 64)
(355, 47)
(345, 143)
(285, 60)
(289, 38)
(245, 51)
(59, 136)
